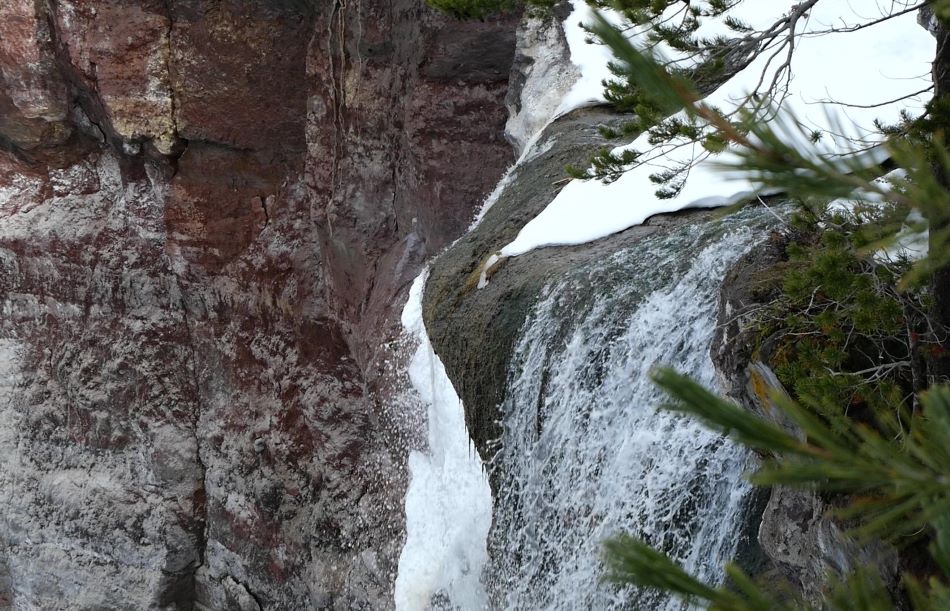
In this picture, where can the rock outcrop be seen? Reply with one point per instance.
(473, 330)
(208, 214)
(801, 544)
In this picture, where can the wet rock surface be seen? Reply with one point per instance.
(209, 213)
(473, 330)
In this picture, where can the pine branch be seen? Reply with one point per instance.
(914, 477)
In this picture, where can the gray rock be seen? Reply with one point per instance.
(804, 543)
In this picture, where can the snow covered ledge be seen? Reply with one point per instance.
(890, 51)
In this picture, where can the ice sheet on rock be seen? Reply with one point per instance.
(448, 503)
(892, 55)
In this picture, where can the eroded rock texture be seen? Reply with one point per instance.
(209, 212)
(800, 545)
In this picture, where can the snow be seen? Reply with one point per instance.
(541, 49)
(885, 183)
(591, 59)
(910, 243)
(492, 198)
(448, 503)
(895, 61)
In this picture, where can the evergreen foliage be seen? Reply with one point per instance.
(846, 331)
(773, 148)
(705, 64)
(841, 335)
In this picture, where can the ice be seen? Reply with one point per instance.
(448, 503)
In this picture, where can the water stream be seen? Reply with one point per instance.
(585, 452)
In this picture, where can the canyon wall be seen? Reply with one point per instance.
(210, 211)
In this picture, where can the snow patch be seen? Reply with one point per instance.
(911, 242)
(589, 57)
(492, 198)
(821, 70)
(489, 264)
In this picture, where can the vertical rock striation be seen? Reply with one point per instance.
(208, 211)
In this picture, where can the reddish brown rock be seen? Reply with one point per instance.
(209, 214)
(33, 95)
(232, 61)
(122, 52)
(217, 203)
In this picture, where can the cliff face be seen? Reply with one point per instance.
(208, 213)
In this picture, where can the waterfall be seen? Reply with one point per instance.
(585, 452)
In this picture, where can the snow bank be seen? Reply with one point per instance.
(910, 242)
(865, 67)
(448, 503)
(590, 59)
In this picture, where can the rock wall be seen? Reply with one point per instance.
(800, 545)
(209, 212)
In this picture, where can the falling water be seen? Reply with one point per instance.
(585, 453)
